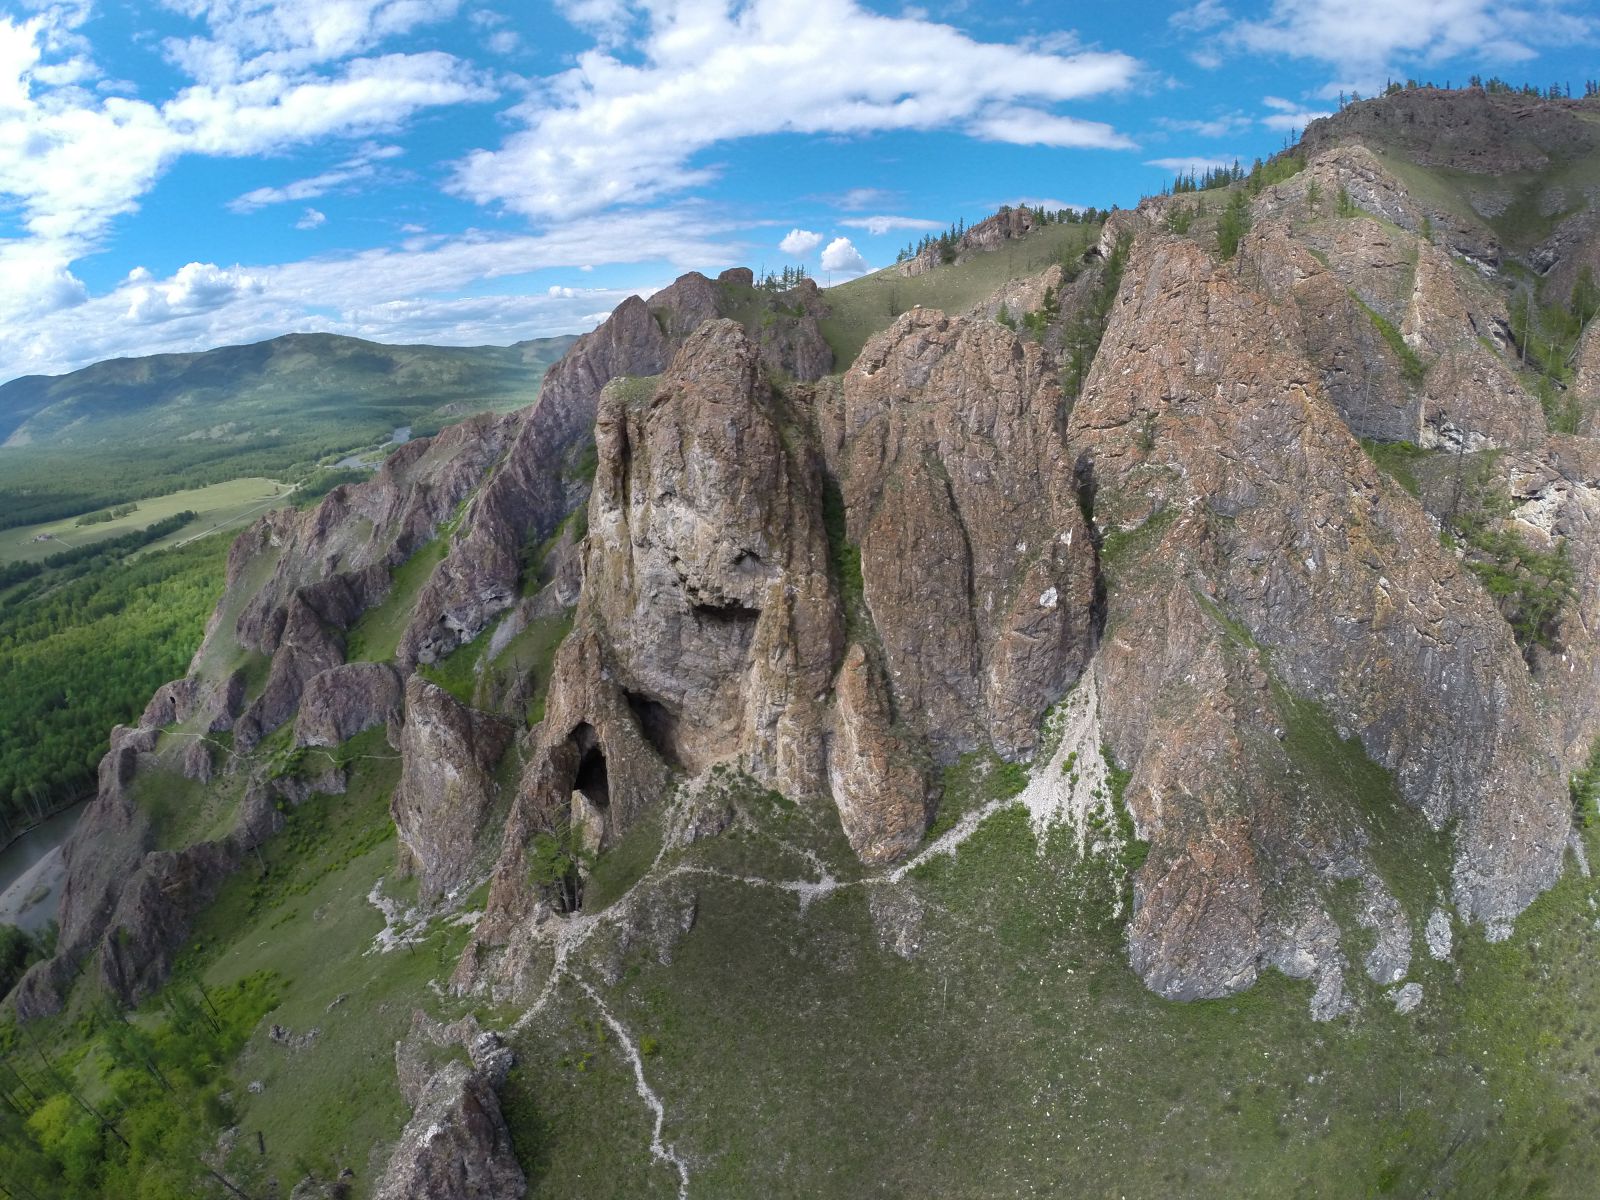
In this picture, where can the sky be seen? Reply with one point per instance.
(182, 174)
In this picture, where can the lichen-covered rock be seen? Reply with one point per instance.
(1465, 130)
(307, 646)
(456, 1145)
(985, 237)
(882, 796)
(448, 755)
(172, 702)
(197, 764)
(1554, 492)
(327, 555)
(153, 915)
(708, 562)
(977, 565)
(541, 479)
(344, 700)
(1273, 551)
(1586, 381)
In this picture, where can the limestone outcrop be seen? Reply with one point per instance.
(456, 1145)
(448, 756)
(1275, 560)
(976, 562)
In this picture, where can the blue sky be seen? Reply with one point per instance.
(181, 174)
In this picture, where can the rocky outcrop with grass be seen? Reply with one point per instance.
(1254, 563)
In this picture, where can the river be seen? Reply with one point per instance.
(31, 873)
(367, 461)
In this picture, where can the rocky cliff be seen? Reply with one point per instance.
(1270, 568)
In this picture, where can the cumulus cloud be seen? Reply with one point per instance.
(800, 242)
(398, 295)
(880, 225)
(615, 130)
(311, 219)
(841, 257)
(1365, 39)
(195, 288)
(268, 75)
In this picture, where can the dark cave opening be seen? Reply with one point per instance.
(659, 725)
(593, 780)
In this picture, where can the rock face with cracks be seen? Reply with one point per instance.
(448, 755)
(1276, 562)
(456, 1145)
(709, 553)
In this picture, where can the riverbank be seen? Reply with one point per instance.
(32, 872)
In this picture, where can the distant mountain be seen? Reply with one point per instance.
(269, 408)
(238, 393)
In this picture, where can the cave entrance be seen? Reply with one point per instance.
(592, 779)
(659, 725)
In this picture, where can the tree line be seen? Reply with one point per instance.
(948, 243)
(95, 554)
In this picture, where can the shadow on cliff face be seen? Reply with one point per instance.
(592, 779)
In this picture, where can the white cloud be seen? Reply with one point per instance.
(362, 167)
(624, 131)
(250, 38)
(800, 242)
(270, 76)
(1030, 127)
(841, 257)
(861, 197)
(396, 295)
(196, 288)
(1206, 14)
(1365, 38)
(878, 226)
(1048, 203)
(1288, 115)
(1225, 125)
(311, 219)
(1195, 163)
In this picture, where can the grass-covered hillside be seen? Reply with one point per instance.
(967, 1028)
(864, 306)
(129, 428)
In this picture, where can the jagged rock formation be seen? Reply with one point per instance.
(1263, 507)
(297, 582)
(977, 564)
(346, 700)
(984, 237)
(836, 586)
(456, 1145)
(448, 753)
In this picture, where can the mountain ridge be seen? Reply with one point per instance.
(1240, 656)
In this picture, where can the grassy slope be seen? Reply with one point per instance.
(1017, 1055)
(307, 918)
(1514, 199)
(864, 306)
